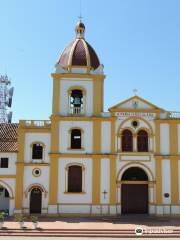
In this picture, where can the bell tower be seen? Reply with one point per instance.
(78, 81)
(78, 93)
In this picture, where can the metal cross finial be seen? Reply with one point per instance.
(135, 91)
(80, 10)
(80, 18)
(104, 194)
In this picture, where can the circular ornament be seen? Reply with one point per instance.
(135, 123)
(36, 172)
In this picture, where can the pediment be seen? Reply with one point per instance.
(135, 103)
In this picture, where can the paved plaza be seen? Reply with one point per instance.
(121, 222)
(72, 238)
(98, 228)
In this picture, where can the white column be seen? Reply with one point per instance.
(151, 201)
(119, 144)
(150, 144)
(119, 194)
(11, 206)
(151, 193)
(135, 143)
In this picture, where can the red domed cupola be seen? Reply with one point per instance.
(79, 53)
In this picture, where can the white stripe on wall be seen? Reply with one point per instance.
(164, 139)
(105, 179)
(166, 181)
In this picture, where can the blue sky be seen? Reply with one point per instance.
(138, 41)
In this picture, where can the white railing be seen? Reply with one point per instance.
(105, 114)
(35, 123)
(175, 115)
(76, 110)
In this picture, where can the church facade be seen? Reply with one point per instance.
(85, 161)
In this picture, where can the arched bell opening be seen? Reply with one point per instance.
(76, 101)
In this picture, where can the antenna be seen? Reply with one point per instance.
(6, 95)
(9, 117)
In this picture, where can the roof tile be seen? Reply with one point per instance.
(8, 137)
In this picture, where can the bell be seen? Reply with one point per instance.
(77, 101)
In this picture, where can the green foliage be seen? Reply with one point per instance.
(20, 218)
(34, 219)
(2, 216)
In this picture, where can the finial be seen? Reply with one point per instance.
(135, 92)
(80, 27)
(80, 10)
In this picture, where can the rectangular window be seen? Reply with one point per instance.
(4, 162)
(76, 139)
(37, 151)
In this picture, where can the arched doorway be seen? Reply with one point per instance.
(134, 191)
(35, 200)
(4, 199)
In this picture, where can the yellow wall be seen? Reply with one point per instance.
(20, 169)
(174, 182)
(53, 187)
(158, 181)
(96, 181)
(173, 139)
(56, 96)
(98, 96)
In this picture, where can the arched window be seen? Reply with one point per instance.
(37, 151)
(76, 101)
(76, 139)
(142, 141)
(127, 141)
(75, 179)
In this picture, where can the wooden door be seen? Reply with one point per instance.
(134, 198)
(35, 200)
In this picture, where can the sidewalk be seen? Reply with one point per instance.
(121, 222)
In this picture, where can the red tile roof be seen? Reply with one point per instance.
(8, 137)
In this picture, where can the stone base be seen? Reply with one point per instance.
(18, 211)
(52, 209)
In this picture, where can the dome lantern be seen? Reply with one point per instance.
(80, 29)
